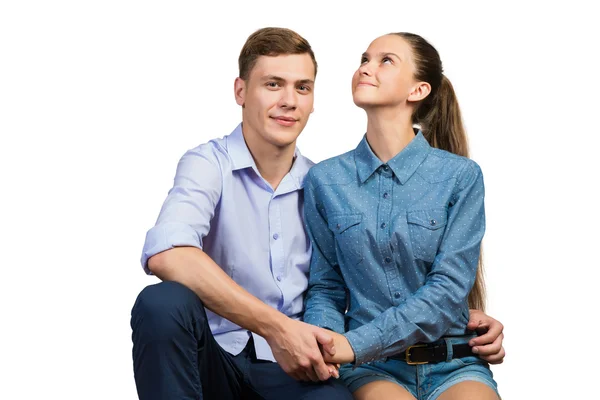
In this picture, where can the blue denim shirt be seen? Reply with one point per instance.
(220, 203)
(401, 239)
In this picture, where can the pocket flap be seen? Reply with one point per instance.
(339, 223)
(430, 219)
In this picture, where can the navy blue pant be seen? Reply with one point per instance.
(175, 356)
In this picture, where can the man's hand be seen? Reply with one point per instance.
(294, 344)
(343, 351)
(296, 347)
(488, 346)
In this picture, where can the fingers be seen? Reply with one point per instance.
(304, 376)
(298, 374)
(326, 341)
(311, 375)
(491, 348)
(494, 331)
(497, 358)
(494, 352)
(320, 369)
(334, 370)
(304, 371)
(489, 345)
(475, 318)
(302, 359)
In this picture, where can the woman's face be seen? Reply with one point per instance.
(385, 77)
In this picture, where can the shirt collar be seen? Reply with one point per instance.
(404, 164)
(300, 168)
(242, 158)
(238, 150)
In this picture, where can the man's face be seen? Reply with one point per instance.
(277, 98)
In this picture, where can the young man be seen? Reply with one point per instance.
(231, 249)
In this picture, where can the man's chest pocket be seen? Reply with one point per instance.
(426, 228)
(349, 236)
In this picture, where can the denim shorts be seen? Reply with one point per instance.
(425, 381)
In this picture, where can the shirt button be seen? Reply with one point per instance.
(275, 236)
(397, 295)
(433, 222)
(388, 260)
(279, 279)
(338, 227)
(383, 225)
(385, 195)
(385, 168)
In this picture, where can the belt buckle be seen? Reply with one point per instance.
(407, 352)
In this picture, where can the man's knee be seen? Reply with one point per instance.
(164, 306)
(333, 389)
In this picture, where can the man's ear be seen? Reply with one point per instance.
(239, 90)
(419, 92)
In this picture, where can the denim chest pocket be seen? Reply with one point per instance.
(348, 232)
(426, 228)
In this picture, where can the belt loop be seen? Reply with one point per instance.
(449, 349)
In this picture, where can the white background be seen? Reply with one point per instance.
(98, 100)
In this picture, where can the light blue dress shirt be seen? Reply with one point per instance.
(220, 203)
(402, 239)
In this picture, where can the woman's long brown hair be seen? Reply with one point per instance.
(440, 120)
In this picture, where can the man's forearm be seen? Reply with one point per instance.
(294, 343)
(196, 270)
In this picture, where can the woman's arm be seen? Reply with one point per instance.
(430, 311)
(325, 303)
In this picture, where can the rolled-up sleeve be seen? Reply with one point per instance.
(185, 216)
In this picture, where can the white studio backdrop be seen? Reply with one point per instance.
(98, 100)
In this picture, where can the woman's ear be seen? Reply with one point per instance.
(419, 92)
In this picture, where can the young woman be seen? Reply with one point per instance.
(396, 228)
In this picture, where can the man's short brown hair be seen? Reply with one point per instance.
(272, 42)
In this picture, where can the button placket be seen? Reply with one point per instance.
(275, 242)
(384, 235)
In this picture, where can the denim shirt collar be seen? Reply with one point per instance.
(403, 165)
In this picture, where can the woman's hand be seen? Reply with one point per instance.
(343, 351)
